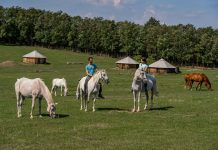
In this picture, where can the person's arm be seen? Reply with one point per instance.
(87, 73)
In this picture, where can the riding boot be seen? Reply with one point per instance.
(145, 86)
(100, 92)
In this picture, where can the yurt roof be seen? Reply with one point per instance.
(161, 64)
(127, 60)
(34, 54)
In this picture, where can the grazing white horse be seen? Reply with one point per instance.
(92, 88)
(34, 88)
(138, 87)
(56, 83)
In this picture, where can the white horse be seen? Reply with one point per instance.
(56, 83)
(34, 88)
(138, 87)
(92, 88)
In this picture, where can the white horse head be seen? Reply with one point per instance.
(139, 75)
(51, 110)
(103, 76)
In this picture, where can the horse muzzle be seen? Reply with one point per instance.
(53, 116)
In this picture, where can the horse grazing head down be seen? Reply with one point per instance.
(51, 109)
(206, 81)
(104, 76)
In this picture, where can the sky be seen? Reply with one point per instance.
(201, 13)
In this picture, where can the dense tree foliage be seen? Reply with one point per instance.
(179, 44)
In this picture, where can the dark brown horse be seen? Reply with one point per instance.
(199, 78)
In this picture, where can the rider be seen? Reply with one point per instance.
(144, 67)
(90, 70)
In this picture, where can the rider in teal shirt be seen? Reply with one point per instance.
(90, 70)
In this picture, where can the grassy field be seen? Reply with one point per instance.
(181, 119)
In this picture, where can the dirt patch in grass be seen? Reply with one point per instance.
(8, 63)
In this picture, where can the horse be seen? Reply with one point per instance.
(199, 78)
(33, 88)
(92, 88)
(138, 87)
(56, 83)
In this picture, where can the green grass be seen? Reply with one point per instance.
(183, 119)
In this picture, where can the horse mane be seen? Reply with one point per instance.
(99, 70)
(50, 100)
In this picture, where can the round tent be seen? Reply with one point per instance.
(127, 63)
(161, 66)
(34, 57)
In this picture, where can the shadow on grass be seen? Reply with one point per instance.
(162, 108)
(57, 115)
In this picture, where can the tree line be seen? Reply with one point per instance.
(180, 44)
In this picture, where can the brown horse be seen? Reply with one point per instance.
(199, 78)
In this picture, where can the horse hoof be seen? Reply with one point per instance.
(133, 110)
(93, 110)
(138, 110)
(40, 116)
(19, 116)
(31, 117)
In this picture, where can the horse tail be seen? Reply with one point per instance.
(78, 91)
(156, 91)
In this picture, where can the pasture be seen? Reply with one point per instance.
(181, 119)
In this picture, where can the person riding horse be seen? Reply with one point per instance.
(144, 67)
(90, 70)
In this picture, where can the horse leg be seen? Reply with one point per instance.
(19, 97)
(81, 99)
(152, 96)
(61, 90)
(86, 102)
(200, 85)
(134, 97)
(52, 89)
(40, 102)
(93, 108)
(55, 91)
(197, 86)
(33, 104)
(190, 85)
(65, 91)
(139, 96)
(146, 104)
